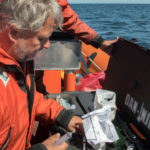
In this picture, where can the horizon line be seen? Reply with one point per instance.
(105, 3)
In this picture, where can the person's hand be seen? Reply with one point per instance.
(107, 46)
(50, 143)
(76, 125)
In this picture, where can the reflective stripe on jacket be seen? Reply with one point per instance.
(14, 111)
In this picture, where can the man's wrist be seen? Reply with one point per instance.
(64, 118)
(97, 41)
(38, 146)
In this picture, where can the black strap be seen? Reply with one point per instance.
(31, 91)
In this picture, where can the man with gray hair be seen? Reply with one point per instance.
(25, 27)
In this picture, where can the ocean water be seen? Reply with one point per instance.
(125, 20)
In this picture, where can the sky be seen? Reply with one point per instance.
(110, 1)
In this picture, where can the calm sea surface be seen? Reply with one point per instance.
(125, 20)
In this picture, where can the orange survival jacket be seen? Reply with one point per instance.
(73, 25)
(19, 107)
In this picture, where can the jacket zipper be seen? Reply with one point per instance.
(7, 140)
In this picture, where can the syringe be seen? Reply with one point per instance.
(64, 138)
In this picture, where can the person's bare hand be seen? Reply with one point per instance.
(107, 46)
(50, 143)
(76, 125)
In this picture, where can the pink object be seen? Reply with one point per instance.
(91, 82)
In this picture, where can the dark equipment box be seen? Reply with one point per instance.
(128, 75)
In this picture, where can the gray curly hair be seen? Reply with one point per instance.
(29, 14)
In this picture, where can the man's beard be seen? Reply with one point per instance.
(22, 53)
